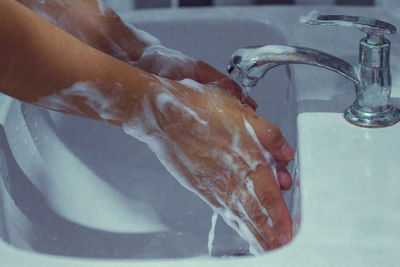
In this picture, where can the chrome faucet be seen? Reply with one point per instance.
(372, 78)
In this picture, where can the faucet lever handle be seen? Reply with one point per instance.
(372, 27)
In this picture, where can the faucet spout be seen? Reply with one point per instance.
(372, 79)
(249, 65)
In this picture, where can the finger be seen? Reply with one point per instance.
(284, 178)
(270, 197)
(207, 74)
(259, 224)
(271, 138)
(251, 102)
(232, 87)
(249, 212)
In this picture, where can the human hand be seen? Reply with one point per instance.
(174, 65)
(100, 27)
(94, 24)
(224, 151)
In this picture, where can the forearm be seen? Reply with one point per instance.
(39, 61)
(101, 28)
(94, 24)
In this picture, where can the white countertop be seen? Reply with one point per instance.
(350, 195)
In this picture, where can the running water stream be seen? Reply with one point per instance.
(212, 232)
(245, 93)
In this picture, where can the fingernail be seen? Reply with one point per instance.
(283, 239)
(287, 150)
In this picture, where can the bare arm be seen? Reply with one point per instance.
(206, 138)
(100, 27)
(44, 60)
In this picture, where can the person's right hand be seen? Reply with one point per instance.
(220, 148)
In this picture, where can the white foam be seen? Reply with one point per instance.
(229, 161)
(214, 218)
(165, 99)
(250, 188)
(144, 36)
(311, 16)
(240, 227)
(58, 103)
(251, 162)
(162, 50)
(102, 7)
(267, 156)
(94, 98)
(192, 84)
(162, 61)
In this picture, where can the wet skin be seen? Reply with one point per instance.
(47, 60)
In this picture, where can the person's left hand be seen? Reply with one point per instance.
(174, 65)
(100, 27)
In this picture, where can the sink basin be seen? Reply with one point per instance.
(77, 192)
(80, 188)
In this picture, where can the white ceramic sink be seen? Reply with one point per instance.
(128, 210)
